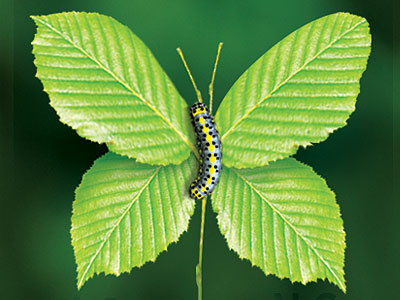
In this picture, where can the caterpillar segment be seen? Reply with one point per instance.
(209, 146)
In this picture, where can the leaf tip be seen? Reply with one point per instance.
(342, 286)
(36, 18)
(80, 281)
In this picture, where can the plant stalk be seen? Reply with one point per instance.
(199, 267)
(211, 86)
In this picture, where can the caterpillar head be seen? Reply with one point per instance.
(198, 108)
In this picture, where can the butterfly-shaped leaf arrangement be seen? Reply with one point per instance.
(273, 210)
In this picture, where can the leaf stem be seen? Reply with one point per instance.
(211, 86)
(190, 75)
(199, 267)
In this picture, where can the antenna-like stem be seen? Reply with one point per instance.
(190, 74)
(211, 86)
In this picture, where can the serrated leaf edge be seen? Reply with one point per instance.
(82, 280)
(338, 281)
(290, 76)
(120, 81)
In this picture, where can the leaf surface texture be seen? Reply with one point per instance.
(104, 82)
(284, 219)
(126, 213)
(296, 94)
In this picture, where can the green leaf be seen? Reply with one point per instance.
(284, 219)
(104, 82)
(297, 93)
(126, 213)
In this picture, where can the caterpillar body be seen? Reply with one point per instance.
(210, 151)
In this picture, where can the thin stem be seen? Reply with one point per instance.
(190, 74)
(199, 267)
(211, 86)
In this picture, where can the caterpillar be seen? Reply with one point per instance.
(210, 151)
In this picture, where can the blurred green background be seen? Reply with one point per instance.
(36, 256)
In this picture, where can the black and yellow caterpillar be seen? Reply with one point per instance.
(210, 151)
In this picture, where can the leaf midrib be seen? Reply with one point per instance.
(120, 81)
(289, 77)
(294, 229)
(82, 279)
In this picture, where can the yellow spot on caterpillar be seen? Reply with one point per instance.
(212, 169)
(201, 120)
(203, 188)
(205, 129)
(211, 148)
(208, 138)
(212, 158)
(209, 180)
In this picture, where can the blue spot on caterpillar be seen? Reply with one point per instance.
(209, 149)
